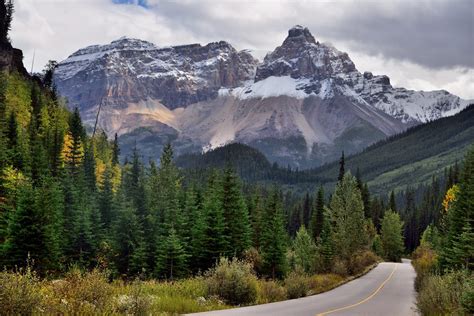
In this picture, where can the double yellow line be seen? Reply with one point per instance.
(364, 300)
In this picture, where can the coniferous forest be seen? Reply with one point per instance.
(84, 231)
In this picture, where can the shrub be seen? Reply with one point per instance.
(340, 267)
(324, 282)
(270, 291)
(296, 284)
(443, 295)
(234, 281)
(361, 260)
(467, 297)
(425, 262)
(81, 292)
(136, 302)
(254, 257)
(19, 293)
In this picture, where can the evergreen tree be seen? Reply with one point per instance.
(197, 224)
(304, 249)
(392, 204)
(32, 231)
(273, 246)
(392, 236)
(364, 191)
(89, 169)
(15, 156)
(256, 210)
(48, 74)
(342, 168)
(131, 258)
(317, 218)
(235, 214)
(172, 257)
(325, 242)
(306, 214)
(347, 212)
(216, 241)
(462, 252)
(115, 151)
(6, 14)
(106, 201)
(460, 215)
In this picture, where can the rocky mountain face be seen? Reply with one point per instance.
(303, 105)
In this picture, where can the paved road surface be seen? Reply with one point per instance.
(386, 290)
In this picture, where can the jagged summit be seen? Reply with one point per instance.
(300, 56)
(299, 33)
(302, 105)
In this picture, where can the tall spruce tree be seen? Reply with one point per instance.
(392, 203)
(347, 212)
(256, 210)
(33, 229)
(217, 242)
(325, 242)
(235, 214)
(460, 217)
(273, 244)
(115, 151)
(6, 15)
(317, 219)
(128, 240)
(172, 257)
(342, 168)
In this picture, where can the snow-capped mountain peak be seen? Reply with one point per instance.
(303, 104)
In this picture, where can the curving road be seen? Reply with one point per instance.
(386, 290)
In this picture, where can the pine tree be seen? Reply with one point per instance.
(317, 219)
(392, 236)
(128, 240)
(342, 169)
(462, 253)
(304, 249)
(256, 210)
(273, 245)
(197, 224)
(347, 212)
(216, 241)
(392, 203)
(32, 231)
(6, 14)
(235, 214)
(13, 143)
(172, 257)
(115, 151)
(325, 242)
(306, 214)
(89, 168)
(106, 201)
(459, 219)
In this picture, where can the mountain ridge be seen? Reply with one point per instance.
(303, 104)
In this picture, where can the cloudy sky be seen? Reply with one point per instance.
(420, 44)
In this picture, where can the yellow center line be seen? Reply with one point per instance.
(364, 300)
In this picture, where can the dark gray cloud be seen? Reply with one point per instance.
(436, 34)
(420, 44)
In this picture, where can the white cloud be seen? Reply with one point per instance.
(371, 32)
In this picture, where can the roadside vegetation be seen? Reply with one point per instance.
(444, 261)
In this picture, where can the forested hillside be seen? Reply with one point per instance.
(408, 159)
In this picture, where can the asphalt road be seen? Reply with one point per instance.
(386, 290)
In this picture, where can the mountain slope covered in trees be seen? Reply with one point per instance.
(410, 158)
